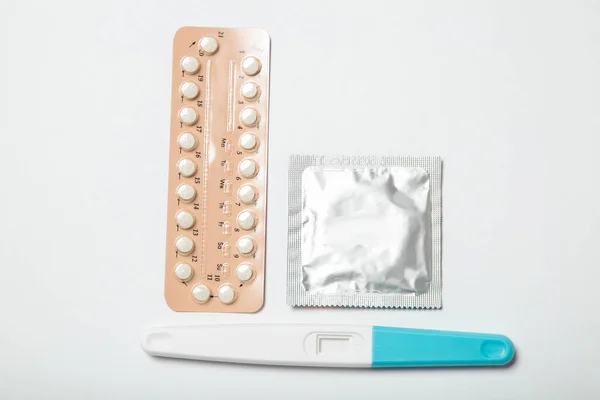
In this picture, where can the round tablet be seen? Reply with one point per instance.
(247, 194)
(246, 220)
(183, 272)
(251, 65)
(245, 245)
(244, 272)
(184, 245)
(188, 116)
(189, 90)
(226, 294)
(209, 45)
(249, 90)
(186, 193)
(201, 293)
(190, 65)
(185, 220)
(248, 168)
(248, 141)
(249, 116)
(187, 141)
(186, 167)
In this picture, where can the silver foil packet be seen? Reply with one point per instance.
(365, 231)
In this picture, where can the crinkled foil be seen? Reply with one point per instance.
(364, 231)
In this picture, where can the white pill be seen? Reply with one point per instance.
(246, 220)
(226, 294)
(251, 65)
(183, 272)
(249, 90)
(190, 65)
(248, 141)
(187, 141)
(247, 194)
(186, 192)
(248, 168)
(201, 293)
(185, 220)
(189, 90)
(184, 245)
(188, 116)
(186, 167)
(249, 116)
(244, 272)
(245, 245)
(209, 44)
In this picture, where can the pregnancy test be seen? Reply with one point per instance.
(329, 345)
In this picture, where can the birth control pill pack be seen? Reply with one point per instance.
(216, 213)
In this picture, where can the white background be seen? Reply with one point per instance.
(508, 93)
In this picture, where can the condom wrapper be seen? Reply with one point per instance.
(365, 231)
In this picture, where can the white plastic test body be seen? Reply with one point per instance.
(329, 345)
